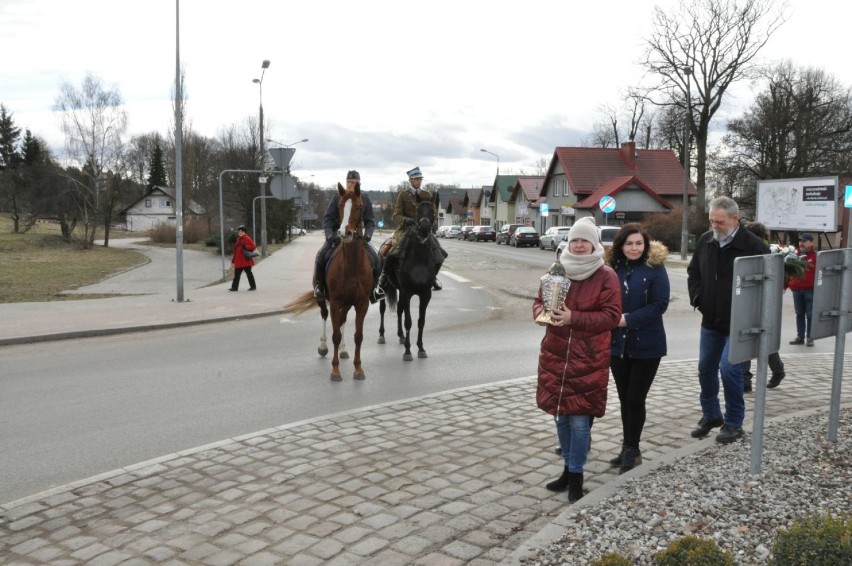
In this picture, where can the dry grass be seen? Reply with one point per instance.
(37, 266)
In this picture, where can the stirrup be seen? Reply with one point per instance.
(436, 285)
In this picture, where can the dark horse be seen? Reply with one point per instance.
(349, 279)
(413, 275)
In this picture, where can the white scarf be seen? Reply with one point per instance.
(581, 267)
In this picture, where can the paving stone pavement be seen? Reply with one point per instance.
(452, 478)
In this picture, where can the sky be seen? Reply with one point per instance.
(378, 86)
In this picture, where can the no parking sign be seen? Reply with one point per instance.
(607, 204)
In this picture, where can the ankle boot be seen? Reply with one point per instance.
(615, 462)
(632, 458)
(575, 486)
(561, 483)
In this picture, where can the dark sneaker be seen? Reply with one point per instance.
(798, 341)
(252, 288)
(705, 425)
(747, 385)
(809, 342)
(775, 380)
(729, 434)
(231, 289)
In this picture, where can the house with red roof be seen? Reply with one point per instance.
(526, 196)
(641, 181)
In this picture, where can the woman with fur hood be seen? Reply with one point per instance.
(573, 364)
(639, 342)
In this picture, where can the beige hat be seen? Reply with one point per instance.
(586, 229)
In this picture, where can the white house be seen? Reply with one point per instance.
(155, 208)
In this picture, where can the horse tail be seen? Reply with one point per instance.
(390, 296)
(301, 304)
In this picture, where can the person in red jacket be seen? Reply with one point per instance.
(803, 292)
(242, 263)
(573, 363)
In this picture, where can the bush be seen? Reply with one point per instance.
(816, 541)
(611, 559)
(666, 226)
(194, 230)
(694, 551)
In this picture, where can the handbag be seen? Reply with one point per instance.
(250, 254)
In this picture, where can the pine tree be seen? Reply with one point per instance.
(157, 173)
(9, 137)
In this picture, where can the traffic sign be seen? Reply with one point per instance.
(607, 204)
(848, 200)
(544, 209)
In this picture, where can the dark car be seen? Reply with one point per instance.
(482, 234)
(464, 230)
(505, 233)
(524, 236)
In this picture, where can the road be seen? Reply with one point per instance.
(73, 409)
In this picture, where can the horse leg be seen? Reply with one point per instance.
(323, 347)
(405, 306)
(382, 308)
(360, 315)
(335, 339)
(421, 322)
(344, 353)
(399, 314)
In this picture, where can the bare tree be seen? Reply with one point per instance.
(717, 41)
(93, 120)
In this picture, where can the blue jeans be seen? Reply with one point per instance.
(574, 435)
(713, 357)
(803, 302)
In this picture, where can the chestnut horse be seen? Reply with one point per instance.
(349, 279)
(412, 276)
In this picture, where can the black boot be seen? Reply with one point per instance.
(561, 483)
(436, 285)
(630, 459)
(575, 486)
(616, 462)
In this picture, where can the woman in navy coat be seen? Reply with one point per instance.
(639, 341)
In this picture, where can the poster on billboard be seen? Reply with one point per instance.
(798, 204)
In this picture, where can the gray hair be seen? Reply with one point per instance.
(727, 204)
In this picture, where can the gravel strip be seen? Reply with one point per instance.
(712, 494)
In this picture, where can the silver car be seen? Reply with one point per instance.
(607, 236)
(552, 236)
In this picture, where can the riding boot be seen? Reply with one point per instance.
(318, 282)
(436, 285)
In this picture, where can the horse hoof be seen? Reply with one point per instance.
(407, 358)
(360, 376)
(322, 351)
(336, 377)
(344, 355)
(381, 340)
(422, 355)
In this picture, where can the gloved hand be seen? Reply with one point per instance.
(333, 238)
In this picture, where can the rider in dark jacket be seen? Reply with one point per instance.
(331, 224)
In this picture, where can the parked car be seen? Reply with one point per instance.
(464, 230)
(552, 236)
(505, 233)
(524, 236)
(607, 234)
(452, 231)
(482, 234)
(441, 231)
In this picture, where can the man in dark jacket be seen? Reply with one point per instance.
(711, 279)
(331, 224)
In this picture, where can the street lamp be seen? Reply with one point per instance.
(495, 155)
(286, 144)
(263, 66)
(687, 130)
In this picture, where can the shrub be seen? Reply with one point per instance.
(815, 541)
(163, 233)
(694, 551)
(194, 230)
(611, 559)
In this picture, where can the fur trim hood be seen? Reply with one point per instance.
(658, 253)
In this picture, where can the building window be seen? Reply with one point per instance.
(164, 203)
(147, 203)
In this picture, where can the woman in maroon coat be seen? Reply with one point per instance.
(240, 261)
(573, 365)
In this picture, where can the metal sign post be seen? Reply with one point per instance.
(756, 328)
(832, 317)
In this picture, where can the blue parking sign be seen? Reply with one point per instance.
(544, 209)
(847, 202)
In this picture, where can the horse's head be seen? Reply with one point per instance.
(349, 210)
(425, 216)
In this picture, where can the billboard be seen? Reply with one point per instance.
(798, 204)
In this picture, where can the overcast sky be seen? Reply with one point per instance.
(379, 86)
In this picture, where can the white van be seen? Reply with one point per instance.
(607, 234)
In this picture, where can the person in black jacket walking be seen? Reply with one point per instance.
(710, 281)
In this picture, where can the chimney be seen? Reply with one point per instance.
(628, 153)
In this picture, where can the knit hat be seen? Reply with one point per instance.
(586, 229)
(241, 227)
(806, 237)
(415, 173)
(353, 175)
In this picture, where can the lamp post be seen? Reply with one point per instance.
(263, 66)
(495, 155)
(287, 144)
(687, 129)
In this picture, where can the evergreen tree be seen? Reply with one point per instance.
(9, 138)
(157, 173)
